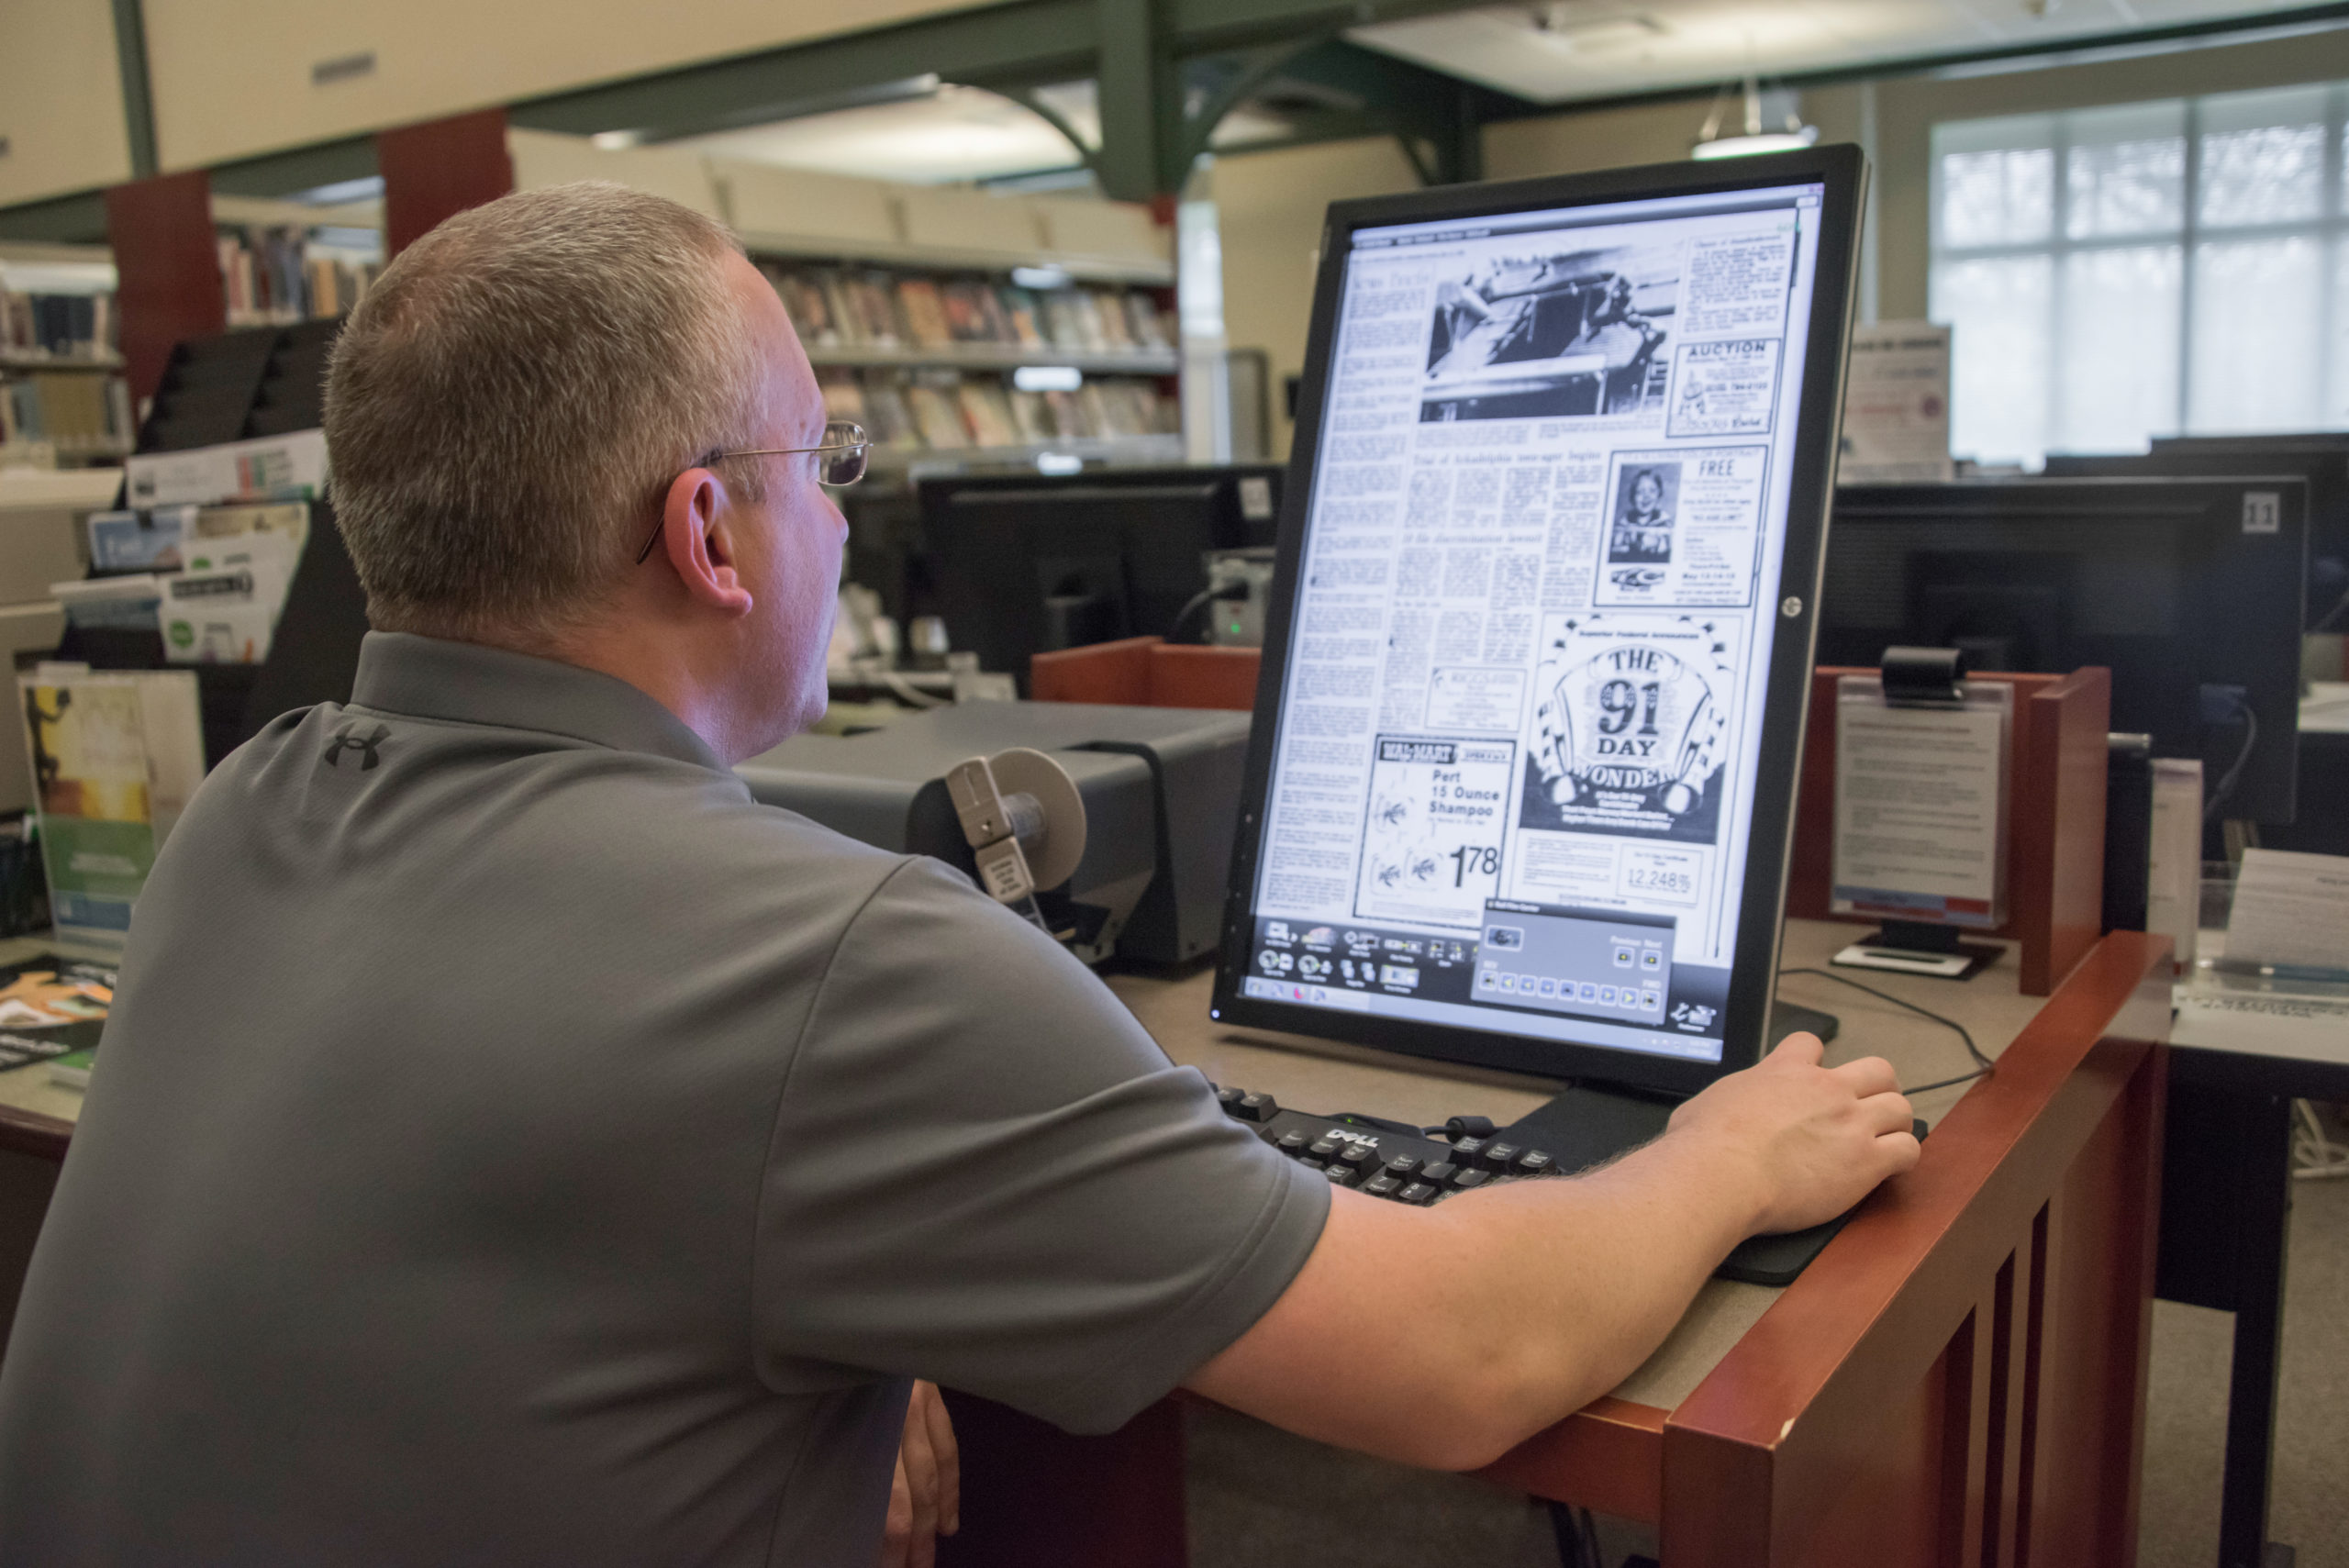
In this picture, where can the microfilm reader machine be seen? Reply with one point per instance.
(1109, 827)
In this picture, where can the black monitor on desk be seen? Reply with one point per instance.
(1029, 564)
(2188, 589)
(1521, 783)
(2322, 460)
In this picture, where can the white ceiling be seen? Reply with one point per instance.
(1546, 51)
(1558, 50)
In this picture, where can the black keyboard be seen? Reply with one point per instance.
(1384, 1159)
(1402, 1165)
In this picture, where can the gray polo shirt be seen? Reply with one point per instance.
(512, 1144)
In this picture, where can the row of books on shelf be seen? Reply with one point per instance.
(872, 307)
(950, 411)
(274, 277)
(57, 326)
(74, 412)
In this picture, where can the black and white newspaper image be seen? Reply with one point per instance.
(1631, 720)
(1431, 848)
(1542, 333)
(1724, 386)
(1684, 526)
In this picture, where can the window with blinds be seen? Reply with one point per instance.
(2149, 269)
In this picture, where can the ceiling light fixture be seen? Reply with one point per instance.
(1711, 143)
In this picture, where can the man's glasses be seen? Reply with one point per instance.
(845, 450)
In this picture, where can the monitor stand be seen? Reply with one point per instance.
(1592, 1122)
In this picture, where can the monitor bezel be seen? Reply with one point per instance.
(1841, 173)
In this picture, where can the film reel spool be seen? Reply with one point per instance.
(1055, 841)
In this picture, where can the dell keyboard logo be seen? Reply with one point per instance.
(348, 739)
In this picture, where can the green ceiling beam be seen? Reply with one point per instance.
(301, 169)
(77, 219)
(138, 92)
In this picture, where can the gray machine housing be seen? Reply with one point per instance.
(1161, 788)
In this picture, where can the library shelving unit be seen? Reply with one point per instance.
(964, 330)
(62, 397)
(286, 262)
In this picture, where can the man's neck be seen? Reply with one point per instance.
(628, 652)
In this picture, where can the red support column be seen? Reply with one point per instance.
(167, 268)
(435, 169)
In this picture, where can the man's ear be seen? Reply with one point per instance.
(697, 543)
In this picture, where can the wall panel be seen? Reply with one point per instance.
(234, 77)
(60, 99)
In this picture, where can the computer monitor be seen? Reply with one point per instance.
(2188, 589)
(1027, 564)
(2322, 460)
(1521, 783)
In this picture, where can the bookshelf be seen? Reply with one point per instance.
(962, 328)
(64, 400)
(286, 262)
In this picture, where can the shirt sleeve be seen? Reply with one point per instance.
(984, 1172)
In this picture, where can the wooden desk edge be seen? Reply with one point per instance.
(2076, 1056)
(29, 1132)
(1608, 1455)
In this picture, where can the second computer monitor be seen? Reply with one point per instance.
(1027, 564)
(2189, 590)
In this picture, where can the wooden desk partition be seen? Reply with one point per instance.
(2055, 818)
(1148, 672)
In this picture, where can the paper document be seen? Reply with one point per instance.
(2304, 1029)
(1920, 806)
(2291, 910)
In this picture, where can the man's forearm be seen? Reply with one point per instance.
(1492, 1315)
(1583, 1278)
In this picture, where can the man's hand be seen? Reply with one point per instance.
(1570, 1285)
(925, 1495)
(1816, 1140)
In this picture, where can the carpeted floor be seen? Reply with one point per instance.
(1260, 1497)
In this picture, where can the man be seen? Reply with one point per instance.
(513, 1145)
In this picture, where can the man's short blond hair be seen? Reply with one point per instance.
(508, 406)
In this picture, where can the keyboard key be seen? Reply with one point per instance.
(1462, 1180)
(1405, 1167)
(1498, 1156)
(1360, 1156)
(1417, 1192)
(1342, 1175)
(1465, 1150)
(1253, 1108)
(1533, 1163)
(1323, 1149)
(1292, 1144)
(1311, 1165)
(1382, 1187)
(1439, 1173)
(1230, 1098)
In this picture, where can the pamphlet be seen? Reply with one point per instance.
(1895, 404)
(51, 1007)
(116, 756)
(1920, 806)
(2291, 910)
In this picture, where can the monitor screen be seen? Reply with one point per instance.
(1513, 805)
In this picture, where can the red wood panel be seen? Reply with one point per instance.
(1834, 1383)
(1607, 1455)
(168, 269)
(1105, 672)
(435, 170)
(1033, 1494)
(1186, 676)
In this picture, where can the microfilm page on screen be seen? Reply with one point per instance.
(1522, 707)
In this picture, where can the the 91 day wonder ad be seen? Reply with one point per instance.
(1538, 593)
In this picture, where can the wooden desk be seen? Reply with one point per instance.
(1964, 1365)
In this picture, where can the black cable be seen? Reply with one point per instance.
(1226, 592)
(1983, 1064)
(2226, 785)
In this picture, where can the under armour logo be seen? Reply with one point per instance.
(351, 740)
